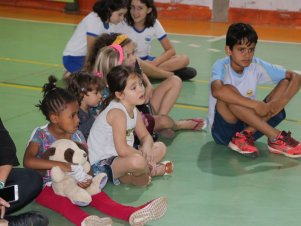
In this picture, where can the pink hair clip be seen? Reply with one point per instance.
(119, 49)
(99, 74)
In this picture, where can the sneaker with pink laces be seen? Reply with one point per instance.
(285, 145)
(243, 143)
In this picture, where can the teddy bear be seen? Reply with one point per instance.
(65, 183)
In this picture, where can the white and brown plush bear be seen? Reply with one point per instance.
(65, 184)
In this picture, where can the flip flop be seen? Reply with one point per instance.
(198, 122)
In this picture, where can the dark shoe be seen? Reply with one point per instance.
(186, 73)
(31, 218)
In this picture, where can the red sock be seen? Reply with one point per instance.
(61, 205)
(105, 204)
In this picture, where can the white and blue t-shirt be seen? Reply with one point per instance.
(144, 37)
(90, 25)
(257, 73)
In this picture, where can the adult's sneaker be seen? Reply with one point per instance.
(243, 143)
(186, 73)
(285, 145)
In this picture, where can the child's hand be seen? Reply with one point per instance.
(148, 154)
(262, 109)
(3, 206)
(66, 167)
(84, 184)
(275, 107)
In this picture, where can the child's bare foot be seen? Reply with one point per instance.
(167, 133)
(196, 124)
(142, 180)
(162, 168)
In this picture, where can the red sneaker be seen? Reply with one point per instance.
(243, 143)
(285, 145)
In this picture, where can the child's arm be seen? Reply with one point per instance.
(31, 161)
(293, 81)
(117, 119)
(90, 43)
(153, 71)
(169, 52)
(148, 88)
(293, 87)
(145, 138)
(229, 94)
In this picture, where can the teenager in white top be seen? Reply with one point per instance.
(106, 14)
(142, 27)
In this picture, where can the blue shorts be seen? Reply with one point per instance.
(222, 131)
(74, 63)
(104, 166)
(149, 58)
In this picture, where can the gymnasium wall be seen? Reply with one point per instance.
(270, 12)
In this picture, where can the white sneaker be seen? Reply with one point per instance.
(152, 211)
(96, 221)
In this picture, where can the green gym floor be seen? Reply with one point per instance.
(210, 186)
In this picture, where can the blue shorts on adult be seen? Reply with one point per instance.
(222, 131)
(73, 63)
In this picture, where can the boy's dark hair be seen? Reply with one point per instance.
(105, 8)
(80, 83)
(150, 17)
(54, 99)
(239, 33)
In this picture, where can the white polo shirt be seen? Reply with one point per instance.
(90, 25)
(143, 38)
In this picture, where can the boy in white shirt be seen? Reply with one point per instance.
(236, 118)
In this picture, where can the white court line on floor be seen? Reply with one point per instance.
(217, 38)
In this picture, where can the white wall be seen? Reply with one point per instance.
(207, 3)
(286, 5)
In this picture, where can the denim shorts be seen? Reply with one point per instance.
(222, 131)
(104, 166)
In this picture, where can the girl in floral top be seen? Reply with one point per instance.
(61, 110)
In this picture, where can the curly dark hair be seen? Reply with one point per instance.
(54, 99)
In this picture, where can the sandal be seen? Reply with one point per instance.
(198, 122)
(168, 167)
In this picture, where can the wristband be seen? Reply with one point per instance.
(2, 184)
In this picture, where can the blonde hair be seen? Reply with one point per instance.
(106, 59)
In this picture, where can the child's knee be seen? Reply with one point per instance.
(137, 162)
(160, 147)
(176, 82)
